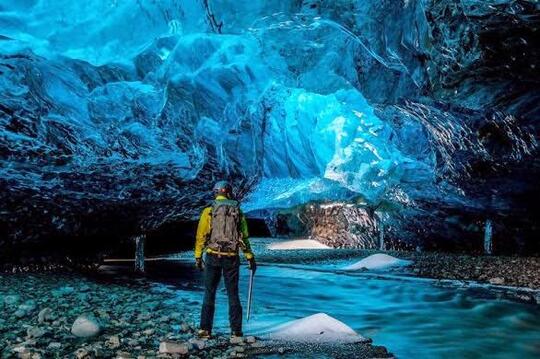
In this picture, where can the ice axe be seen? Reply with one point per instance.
(250, 294)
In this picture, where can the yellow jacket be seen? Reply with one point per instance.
(205, 227)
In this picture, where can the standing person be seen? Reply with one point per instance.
(222, 231)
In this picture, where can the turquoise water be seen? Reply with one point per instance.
(412, 318)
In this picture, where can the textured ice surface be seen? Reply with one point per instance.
(116, 117)
(378, 261)
(317, 328)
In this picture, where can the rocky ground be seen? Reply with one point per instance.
(54, 315)
(497, 270)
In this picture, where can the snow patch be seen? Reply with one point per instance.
(378, 261)
(298, 244)
(317, 328)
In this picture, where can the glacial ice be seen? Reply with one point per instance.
(377, 261)
(298, 244)
(316, 328)
(122, 113)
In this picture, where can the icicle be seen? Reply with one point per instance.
(488, 233)
(382, 246)
(271, 222)
(139, 253)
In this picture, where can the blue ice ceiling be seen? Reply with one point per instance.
(133, 108)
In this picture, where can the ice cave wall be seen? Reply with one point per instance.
(116, 116)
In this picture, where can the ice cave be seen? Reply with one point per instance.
(383, 153)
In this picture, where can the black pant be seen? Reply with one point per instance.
(214, 266)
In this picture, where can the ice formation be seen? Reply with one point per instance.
(298, 244)
(378, 261)
(317, 328)
(116, 117)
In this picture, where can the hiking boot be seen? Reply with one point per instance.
(203, 334)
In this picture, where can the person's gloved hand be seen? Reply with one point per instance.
(199, 264)
(252, 265)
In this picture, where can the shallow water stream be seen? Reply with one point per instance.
(412, 318)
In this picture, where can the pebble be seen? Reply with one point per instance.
(173, 348)
(81, 353)
(11, 299)
(149, 332)
(19, 313)
(44, 315)
(239, 349)
(237, 340)
(54, 345)
(62, 291)
(19, 349)
(26, 308)
(185, 327)
(123, 355)
(35, 332)
(85, 325)
(496, 281)
(164, 319)
(250, 339)
(113, 342)
(198, 343)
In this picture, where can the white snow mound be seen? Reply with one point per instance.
(298, 244)
(378, 261)
(317, 328)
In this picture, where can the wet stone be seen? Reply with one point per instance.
(239, 349)
(44, 315)
(149, 332)
(198, 343)
(132, 342)
(496, 281)
(123, 355)
(185, 327)
(113, 342)
(85, 325)
(82, 353)
(10, 300)
(173, 348)
(54, 346)
(35, 332)
(237, 340)
(25, 309)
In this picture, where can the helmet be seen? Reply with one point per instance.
(223, 187)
